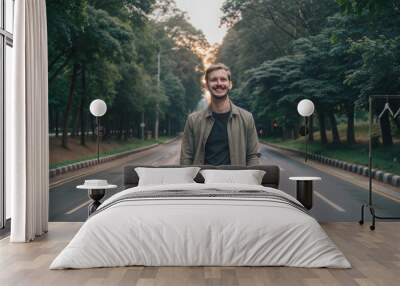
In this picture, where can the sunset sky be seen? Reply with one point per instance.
(205, 15)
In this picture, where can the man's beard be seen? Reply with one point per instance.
(219, 97)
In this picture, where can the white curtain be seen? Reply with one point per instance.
(27, 151)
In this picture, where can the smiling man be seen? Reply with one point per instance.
(222, 134)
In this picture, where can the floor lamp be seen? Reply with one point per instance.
(306, 108)
(370, 205)
(98, 108)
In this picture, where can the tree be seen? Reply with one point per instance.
(376, 45)
(108, 50)
(312, 50)
(182, 48)
(369, 6)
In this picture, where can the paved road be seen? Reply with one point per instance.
(334, 198)
(66, 203)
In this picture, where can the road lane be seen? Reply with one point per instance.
(335, 199)
(332, 189)
(65, 199)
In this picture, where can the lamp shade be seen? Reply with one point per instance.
(98, 107)
(305, 107)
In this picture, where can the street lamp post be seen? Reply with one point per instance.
(306, 108)
(98, 108)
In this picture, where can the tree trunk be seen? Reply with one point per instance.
(51, 119)
(69, 105)
(60, 68)
(322, 127)
(310, 129)
(351, 138)
(55, 60)
(169, 126)
(335, 132)
(92, 127)
(397, 121)
(57, 116)
(75, 123)
(120, 128)
(81, 108)
(294, 132)
(126, 132)
(142, 128)
(387, 139)
(106, 131)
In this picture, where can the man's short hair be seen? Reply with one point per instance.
(216, 67)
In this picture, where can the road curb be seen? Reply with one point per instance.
(171, 140)
(379, 175)
(84, 164)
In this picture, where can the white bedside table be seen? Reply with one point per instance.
(96, 191)
(304, 190)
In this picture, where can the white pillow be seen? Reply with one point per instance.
(165, 176)
(248, 177)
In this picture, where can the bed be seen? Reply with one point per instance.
(201, 224)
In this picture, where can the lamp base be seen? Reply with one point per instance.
(96, 195)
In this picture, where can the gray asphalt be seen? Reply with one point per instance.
(64, 199)
(334, 199)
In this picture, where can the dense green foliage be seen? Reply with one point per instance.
(335, 53)
(109, 50)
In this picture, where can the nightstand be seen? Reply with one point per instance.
(304, 190)
(96, 191)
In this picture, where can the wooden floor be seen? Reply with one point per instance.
(374, 255)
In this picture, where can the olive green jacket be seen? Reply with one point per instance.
(242, 137)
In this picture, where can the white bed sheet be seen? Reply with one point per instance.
(202, 232)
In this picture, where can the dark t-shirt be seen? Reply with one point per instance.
(217, 145)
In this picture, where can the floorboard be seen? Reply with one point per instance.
(374, 255)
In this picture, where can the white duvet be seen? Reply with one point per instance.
(200, 231)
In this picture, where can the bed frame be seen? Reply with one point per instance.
(270, 179)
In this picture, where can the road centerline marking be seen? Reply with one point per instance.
(78, 207)
(340, 174)
(328, 201)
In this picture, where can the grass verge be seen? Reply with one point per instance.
(123, 147)
(383, 158)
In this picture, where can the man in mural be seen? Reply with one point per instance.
(223, 133)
